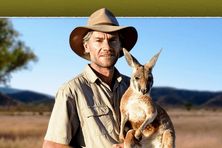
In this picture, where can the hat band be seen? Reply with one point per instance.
(106, 23)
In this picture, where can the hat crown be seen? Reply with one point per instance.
(102, 17)
(102, 20)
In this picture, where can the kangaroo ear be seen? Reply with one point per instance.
(132, 61)
(152, 62)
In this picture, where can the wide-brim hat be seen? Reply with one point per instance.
(102, 20)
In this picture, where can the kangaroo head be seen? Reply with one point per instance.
(141, 78)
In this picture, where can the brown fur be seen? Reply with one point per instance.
(151, 125)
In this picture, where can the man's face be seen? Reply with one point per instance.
(104, 48)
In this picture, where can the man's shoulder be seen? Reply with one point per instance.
(77, 80)
(70, 88)
(74, 82)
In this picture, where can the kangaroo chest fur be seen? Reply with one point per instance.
(136, 108)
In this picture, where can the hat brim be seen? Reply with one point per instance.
(76, 37)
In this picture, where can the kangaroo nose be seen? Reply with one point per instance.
(144, 90)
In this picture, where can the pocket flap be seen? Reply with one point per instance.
(97, 111)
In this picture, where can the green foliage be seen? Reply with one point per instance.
(14, 54)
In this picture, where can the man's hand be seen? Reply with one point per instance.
(50, 144)
(118, 145)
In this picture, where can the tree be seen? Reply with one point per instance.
(188, 105)
(14, 54)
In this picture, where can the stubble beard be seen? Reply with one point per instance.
(106, 62)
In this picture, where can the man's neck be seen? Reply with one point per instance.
(105, 74)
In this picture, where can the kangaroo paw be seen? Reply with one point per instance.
(138, 135)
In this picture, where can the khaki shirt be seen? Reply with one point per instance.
(86, 111)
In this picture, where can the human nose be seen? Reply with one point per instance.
(106, 45)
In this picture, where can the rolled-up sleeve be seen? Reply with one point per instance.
(64, 121)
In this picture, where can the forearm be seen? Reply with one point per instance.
(50, 144)
(118, 145)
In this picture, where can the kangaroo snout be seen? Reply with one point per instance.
(144, 91)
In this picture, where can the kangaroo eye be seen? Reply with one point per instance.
(150, 75)
(137, 78)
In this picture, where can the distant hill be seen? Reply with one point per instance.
(214, 102)
(25, 100)
(29, 96)
(172, 97)
(7, 101)
(165, 96)
(8, 90)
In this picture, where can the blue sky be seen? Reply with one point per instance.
(191, 56)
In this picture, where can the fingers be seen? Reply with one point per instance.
(118, 145)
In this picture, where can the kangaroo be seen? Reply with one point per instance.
(150, 123)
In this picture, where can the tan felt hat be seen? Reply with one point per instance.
(104, 21)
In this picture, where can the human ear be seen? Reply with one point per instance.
(86, 47)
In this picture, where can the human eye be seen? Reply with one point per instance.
(113, 40)
(98, 40)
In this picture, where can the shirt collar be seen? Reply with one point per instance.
(92, 77)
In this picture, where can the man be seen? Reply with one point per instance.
(86, 111)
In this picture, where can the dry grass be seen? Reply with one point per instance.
(194, 129)
(22, 131)
(197, 129)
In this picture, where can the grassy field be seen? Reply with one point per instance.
(22, 131)
(194, 129)
(197, 129)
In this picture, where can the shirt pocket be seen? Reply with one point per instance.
(99, 120)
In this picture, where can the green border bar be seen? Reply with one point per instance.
(155, 8)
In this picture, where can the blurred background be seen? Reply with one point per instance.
(35, 60)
